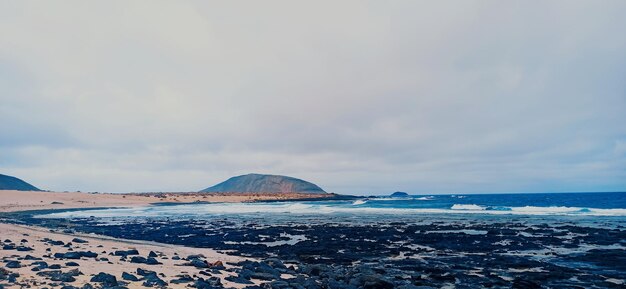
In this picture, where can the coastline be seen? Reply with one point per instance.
(24, 245)
(11, 201)
(251, 249)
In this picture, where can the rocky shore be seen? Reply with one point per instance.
(38, 257)
(311, 252)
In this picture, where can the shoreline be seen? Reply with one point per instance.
(12, 201)
(300, 251)
(34, 256)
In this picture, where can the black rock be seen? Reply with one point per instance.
(40, 264)
(54, 242)
(198, 263)
(13, 264)
(264, 276)
(138, 259)
(126, 252)
(60, 276)
(107, 280)
(153, 280)
(29, 257)
(238, 279)
(72, 264)
(70, 255)
(152, 254)
(371, 282)
(275, 263)
(89, 254)
(182, 279)
(129, 277)
(80, 241)
(211, 283)
(143, 272)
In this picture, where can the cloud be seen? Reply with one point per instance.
(358, 96)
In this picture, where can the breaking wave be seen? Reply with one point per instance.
(359, 207)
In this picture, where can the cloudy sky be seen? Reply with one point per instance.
(356, 96)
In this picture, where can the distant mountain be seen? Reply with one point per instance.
(257, 183)
(399, 195)
(13, 183)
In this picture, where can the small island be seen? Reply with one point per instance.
(399, 195)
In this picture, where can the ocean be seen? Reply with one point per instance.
(543, 204)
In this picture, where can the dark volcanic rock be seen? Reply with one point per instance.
(143, 272)
(13, 183)
(212, 283)
(198, 263)
(138, 259)
(257, 183)
(153, 281)
(126, 253)
(107, 280)
(60, 276)
(79, 241)
(75, 255)
(129, 277)
(14, 264)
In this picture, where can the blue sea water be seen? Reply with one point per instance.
(545, 204)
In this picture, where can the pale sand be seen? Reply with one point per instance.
(11, 201)
(89, 266)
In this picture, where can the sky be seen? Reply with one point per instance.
(359, 97)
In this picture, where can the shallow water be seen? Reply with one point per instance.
(570, 204)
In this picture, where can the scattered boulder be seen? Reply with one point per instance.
(107, 280)
(13, 264)
(57, 275)
(125, 253)
(129, 277)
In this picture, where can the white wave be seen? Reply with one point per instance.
(429, 198)
(467, 207)
(325, 208)
(533, 210)
(359, 202)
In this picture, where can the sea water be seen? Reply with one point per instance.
(545, 204)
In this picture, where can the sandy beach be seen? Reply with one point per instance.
(11, 201)
(28, 247)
